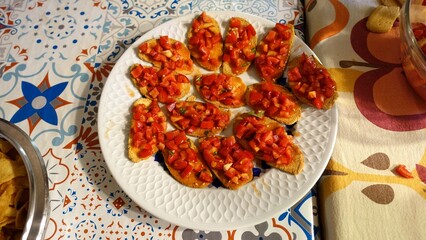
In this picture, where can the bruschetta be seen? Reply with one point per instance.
(221, 89)
(275, 101)
(205, 42)
(273, 51)
(147, 129)
(163, 85)
(239, 47)
(198, 119)
(230, 163)
(167, 52)
(268, 141)
(184, 162)
(311, 83)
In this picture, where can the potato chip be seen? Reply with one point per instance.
(5, 146)
(382, 19)
(21, 216)
(6, 205)
(14, 192)
(390, 3)
(10, 169)
(401, 2)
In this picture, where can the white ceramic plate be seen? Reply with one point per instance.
(152, 188)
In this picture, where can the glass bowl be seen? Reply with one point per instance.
(413, 16)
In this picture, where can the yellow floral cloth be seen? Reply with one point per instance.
(382, 124)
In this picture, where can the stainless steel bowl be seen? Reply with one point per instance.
(38, 209)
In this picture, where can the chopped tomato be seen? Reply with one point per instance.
(207, 125)
(235, 23)
(239, 47)
(270, 98)
(147, 127)
(269, 144)
(403, 172)
(165, 55)
(183, 158)
(273, 52)
(220, 87)
(163, 85)
(203, 40)
(225, 155)
(205, 177)
(191, 116)
(310, 82)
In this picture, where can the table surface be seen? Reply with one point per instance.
(55, 57)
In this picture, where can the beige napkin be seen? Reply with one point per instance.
(382, 123)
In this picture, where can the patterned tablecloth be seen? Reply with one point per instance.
(382, 124)
(55, 57)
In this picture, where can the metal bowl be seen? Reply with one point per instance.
(38, 209)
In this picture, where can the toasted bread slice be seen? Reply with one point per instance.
(207, 52)
(167, 52)
(240, 46)
(290, 161)
(198, 119)
(276, 101)
(273, 51)
(223, 90)
(141, 151)
(191, 170)
(163, 85)
(302, 88)
(227, 159)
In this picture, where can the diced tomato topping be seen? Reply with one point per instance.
(137, 71)
(207, 124)
(206, 177)
(235, 23)
(166, 55)
(269, 144)
(273, 52)
(203, 40)
(224, 154)
(239, 50)
(183, 158)
(147, 128)
(310, 82)
(197, 115)
(220, 87)
(163, 85)
(268, 97)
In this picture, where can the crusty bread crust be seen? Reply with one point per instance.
(328, 102)
(202, 132)
(297, 163)
(190, 180)
(183, 52)
(226, 67)
(238, 89)
(215, 53)
(183, 87)
(293, 118)
(132, 151)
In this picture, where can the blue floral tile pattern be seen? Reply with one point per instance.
(41, 103)
(55, 57)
